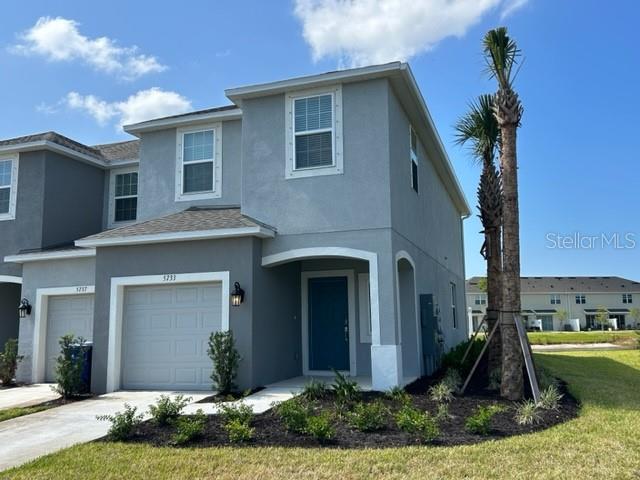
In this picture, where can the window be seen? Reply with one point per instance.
(8, 187)
(480, 300)
(413, 146)
(627, 298)
(314, 136)
(581, 299)
(198, 170)
(555, 300)
(126, 197)
(453, 305)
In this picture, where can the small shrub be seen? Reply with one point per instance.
(238, 431)
(294, 413)
(550, 398)
(9, 360)
(495, 379)
(399, 395)
(412, 420)
(480, 422)
(320, 428)
(453, 358)
(69, 367)
(545, 379)
(346, 391)
(442, 414)
(188, 428)
(226, 359)
(123, 424)
(453, 379)
(368, 417)
(528, 413)
(315, 390)
(166, 410)
(441, 393)
(240, 411)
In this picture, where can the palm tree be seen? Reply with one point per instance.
(480, 128)
(501, 55)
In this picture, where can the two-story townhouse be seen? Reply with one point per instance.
(318, 218)
(558, 301)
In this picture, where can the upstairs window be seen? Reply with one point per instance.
(314, 130)
(453, 305)
(126, 197)
(555, 300)
(581, 299)
(8, 187)
(413, 144)
(480, 300)
(627, 298)
(198, 170)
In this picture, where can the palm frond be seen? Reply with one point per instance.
(479, 127)
(501, 54)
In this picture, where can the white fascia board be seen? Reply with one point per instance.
(259, 232)
(43, 256)
(311, 81)
(54, 147)
(196, 118)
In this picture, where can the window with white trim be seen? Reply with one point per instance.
(126, 197)
(480, 299)
(198, 169)
(314, 133)
(8, 187)
(555, 300)
(413, 147)
(581, 299)
(627, 298)
(453, 305)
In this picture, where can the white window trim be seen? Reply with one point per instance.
(413, 159)
(112, 196)
(305, 276)
(13, 189)
(364, 308)
(454, 311)
(337, 168)
(217, 162)
(116, 310)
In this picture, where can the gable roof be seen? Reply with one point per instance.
(226, 112)
(568, 285)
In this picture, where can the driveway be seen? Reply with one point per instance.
(27, 395)
(31, 436)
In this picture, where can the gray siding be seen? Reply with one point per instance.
(156, 192)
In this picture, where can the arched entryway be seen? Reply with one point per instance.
(408, 319)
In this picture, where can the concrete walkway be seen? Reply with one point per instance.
(27, 395)
(25, 438)
(567, 347)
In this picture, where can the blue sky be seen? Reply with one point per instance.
(579, 161)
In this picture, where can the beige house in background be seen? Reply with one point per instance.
(546, 298)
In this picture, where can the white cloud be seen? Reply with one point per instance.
(360, 32)
(143, 105)
(510, 6)
(59, 40)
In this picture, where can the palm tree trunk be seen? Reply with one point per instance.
(512, 385)
(494, 294)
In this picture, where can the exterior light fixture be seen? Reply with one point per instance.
(237, 297)
(24, 308)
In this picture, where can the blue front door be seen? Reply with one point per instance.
(328, 323)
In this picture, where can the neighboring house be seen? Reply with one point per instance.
(549, 298)
(328, 199)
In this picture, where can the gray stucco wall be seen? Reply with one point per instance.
(356, 199)
(9, 299)
(73, 200)
(25, 232)
(47, 274)
(156, 192)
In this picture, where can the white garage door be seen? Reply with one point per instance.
(66, 314)
(165, 335)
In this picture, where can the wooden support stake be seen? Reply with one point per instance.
(475, 365)
(528, 359)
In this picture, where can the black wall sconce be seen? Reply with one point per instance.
(237, 297)
(24, 308)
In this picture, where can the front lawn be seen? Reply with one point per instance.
(9, 413)
(603, 442)
(629, 338)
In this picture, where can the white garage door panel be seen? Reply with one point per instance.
(66, 314)
(165, 335)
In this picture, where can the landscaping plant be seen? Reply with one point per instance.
(480, 422)
(550, 398)
(442, 413)
(166, 410)
(441, 393)
(320, 428)
(399, 395)
(9, 360)
(239, 411)
(238, 431)
(226, 359)
(315, 390)
(414, 421)
(189, 428)
(294, 413)
(123, 424)
(69, 367)
(368, 417)
(528, 413)
(346, 391)
(453, 379)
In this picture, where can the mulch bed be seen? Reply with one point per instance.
(231, 397)
(270, 431)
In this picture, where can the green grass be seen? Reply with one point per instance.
(9, 413)
(622, 337)
(603, 442)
